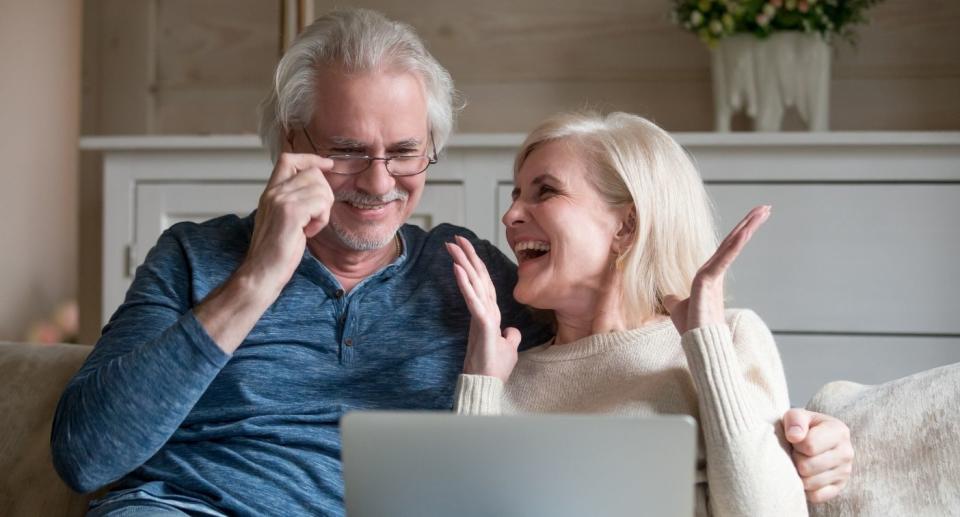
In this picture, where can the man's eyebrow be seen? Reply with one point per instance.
(350, 143)
(410, 143)
(342, 141)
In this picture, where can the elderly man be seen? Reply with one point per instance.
(218, 385)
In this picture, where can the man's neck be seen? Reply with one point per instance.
(349, 266)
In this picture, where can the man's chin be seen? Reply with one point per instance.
(367, 239)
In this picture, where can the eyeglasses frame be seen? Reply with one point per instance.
(370, 159)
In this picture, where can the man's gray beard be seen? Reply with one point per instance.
(359, 242)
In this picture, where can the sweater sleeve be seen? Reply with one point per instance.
(478, 395)
(742, 394)
(151, 365)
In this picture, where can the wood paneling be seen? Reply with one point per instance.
(519, 62)
(179, 66)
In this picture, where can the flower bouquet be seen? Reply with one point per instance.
(713, 20)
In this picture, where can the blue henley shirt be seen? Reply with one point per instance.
(159, 408)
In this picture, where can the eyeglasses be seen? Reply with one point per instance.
(402, 165)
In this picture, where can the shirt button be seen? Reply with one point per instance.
(339, 293)
(348, 342)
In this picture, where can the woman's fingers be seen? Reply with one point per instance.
(837, 476)
(826, 493)
(839, 456)
(480, 282)
(476, 280)
(735, 241)
(478, 266)
(463, 282)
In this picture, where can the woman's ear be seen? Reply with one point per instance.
(625, 233)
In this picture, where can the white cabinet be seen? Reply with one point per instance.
(856, 272)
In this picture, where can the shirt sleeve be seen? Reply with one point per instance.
(151, 365)
(478, 395)
(742, 393)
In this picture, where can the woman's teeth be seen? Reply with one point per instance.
(531, 249)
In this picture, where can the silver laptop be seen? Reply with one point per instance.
(441, 464)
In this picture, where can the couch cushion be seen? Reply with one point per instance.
(32, 377)
(906, 437)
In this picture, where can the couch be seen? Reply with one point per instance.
(31, 380)
(906, 435)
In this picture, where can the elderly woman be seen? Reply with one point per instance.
(613, 232)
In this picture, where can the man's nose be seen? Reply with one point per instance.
(376, 180)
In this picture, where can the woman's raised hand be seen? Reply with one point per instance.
(489, 351)
(705, 305)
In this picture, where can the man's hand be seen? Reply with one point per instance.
(294, 207)
(822, 452)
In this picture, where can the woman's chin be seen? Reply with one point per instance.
(533, 297)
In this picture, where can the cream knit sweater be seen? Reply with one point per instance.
(728, 377)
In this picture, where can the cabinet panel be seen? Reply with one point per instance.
(161, 205)
(849, 257)
(810, 361)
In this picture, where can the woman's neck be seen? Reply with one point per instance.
(599, 312)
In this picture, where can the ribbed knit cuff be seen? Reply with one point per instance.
(725, 408)
(478, 395)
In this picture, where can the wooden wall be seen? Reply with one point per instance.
(182, 66)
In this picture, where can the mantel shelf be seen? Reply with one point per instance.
(501, 140)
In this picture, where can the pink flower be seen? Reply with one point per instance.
(803, 6)
(777, 3)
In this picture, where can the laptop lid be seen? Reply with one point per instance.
(441, 464)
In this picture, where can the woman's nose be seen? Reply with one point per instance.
(514, 215)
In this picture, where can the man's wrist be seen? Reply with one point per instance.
(231, 311)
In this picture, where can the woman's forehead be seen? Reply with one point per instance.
(552, 161)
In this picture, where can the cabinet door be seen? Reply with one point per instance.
(161, 205)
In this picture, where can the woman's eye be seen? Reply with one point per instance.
(546, 190)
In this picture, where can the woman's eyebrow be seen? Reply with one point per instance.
(539, 180)
(544, 178)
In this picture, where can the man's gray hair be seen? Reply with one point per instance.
(355, 40)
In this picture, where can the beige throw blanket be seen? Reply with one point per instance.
(906, 436)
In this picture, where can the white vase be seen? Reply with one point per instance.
(767, 76)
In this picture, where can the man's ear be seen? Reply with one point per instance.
(625, 233)
(286, 142)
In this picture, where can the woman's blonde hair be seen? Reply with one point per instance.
(632, 161)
